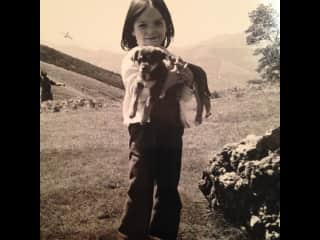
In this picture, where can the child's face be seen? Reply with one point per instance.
(149, 28)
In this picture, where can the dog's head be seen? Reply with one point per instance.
(148, 58)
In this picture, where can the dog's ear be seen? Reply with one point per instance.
(171, 58)
(162, 55)
(135, 55)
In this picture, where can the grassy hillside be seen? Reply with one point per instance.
(102, 58)
(52, 56)
(84, 165)
(78, 85)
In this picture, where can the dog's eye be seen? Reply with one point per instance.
(153, 59)
(158, 56)
(144, 58)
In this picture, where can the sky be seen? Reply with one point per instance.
(97, 24)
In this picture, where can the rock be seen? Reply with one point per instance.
(243, 180)
(69, 104)
(254, 221)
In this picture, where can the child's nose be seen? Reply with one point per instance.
(150, 30)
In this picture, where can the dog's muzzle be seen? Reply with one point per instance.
(144, 68)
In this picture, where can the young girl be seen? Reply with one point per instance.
(155, 147)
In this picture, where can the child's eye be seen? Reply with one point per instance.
(159, 23)
(143, 25)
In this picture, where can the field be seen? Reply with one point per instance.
(84, 165)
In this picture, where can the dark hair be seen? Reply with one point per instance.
(136, 8)
(43, 72)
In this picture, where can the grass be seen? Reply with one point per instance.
(84, 165)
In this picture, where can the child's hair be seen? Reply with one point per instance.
(135, 10)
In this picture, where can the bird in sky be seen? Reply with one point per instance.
(67, 35)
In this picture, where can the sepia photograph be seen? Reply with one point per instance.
(160, 120)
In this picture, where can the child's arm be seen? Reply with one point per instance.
(56, 83)
(129, 74)
(135, 94)
(179, 72)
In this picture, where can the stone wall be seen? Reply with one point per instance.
(243, 182)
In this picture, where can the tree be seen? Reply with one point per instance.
(264, 33)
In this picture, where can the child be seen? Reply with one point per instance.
(155, 147)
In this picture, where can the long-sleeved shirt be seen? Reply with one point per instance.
(129, 74)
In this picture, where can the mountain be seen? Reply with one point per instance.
(227, 59)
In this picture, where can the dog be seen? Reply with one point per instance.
(201, 89)
(153, 73)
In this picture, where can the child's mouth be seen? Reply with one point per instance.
(151, 38)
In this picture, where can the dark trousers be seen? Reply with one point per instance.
(155, 160)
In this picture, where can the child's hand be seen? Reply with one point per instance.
(181, 68)
(178, 73)
(187, 76)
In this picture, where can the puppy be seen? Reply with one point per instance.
(201, 89)
(152, 74)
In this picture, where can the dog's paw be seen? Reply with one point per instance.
(198, 120)
(132, 114)
(186, 125)
(143, 123)
(197, 123)
(162, 95)
(208, 114)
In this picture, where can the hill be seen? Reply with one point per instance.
(78, 85)
(52, 56)
(227, 59)
(230, 47)
(101, 58)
